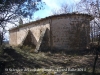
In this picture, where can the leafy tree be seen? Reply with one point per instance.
(12, 9)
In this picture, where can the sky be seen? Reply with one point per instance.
(50, 5)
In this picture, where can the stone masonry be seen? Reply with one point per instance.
(66, 31)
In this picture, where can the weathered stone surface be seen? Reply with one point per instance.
(29, 40)
(66, 31)
(43, 41)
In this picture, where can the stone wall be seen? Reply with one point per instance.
(13, 37)
(60, 27)
(17, 37)
(68, 31)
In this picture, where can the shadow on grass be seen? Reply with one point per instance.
(19, 61)
(71, 52)
(82, 73)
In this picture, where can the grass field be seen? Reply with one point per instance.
(25, 58)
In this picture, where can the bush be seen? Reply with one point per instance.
(32, 50)
(1, 49)
(25, 48)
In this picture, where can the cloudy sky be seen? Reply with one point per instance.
(53, 4)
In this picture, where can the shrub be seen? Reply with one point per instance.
(32, 50)
(25, 48)
(1, 49)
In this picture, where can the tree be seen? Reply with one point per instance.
(1, 37)
(12, 9)
(62, 10)
(20, 21)
(92, 7)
